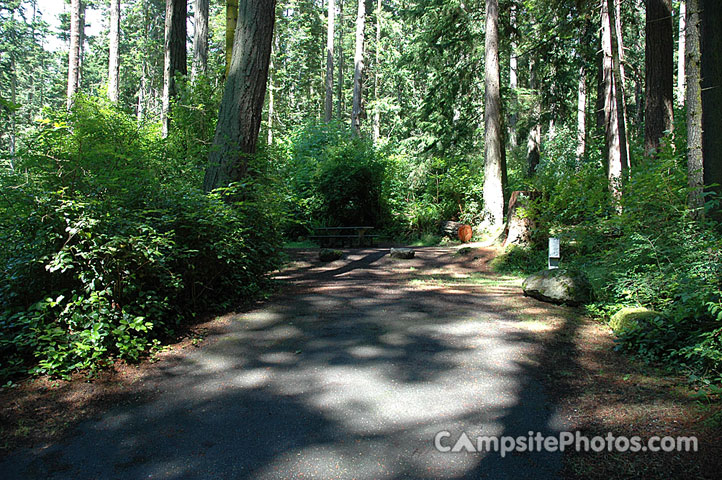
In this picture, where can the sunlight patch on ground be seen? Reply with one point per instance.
(466, 279)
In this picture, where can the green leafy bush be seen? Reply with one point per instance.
(333, 177)
(650, 252)
(112, 253)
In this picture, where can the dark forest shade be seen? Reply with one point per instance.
(239, 118)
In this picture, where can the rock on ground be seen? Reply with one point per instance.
(558, 286)
(403, 253)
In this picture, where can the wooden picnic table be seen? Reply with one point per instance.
(333, 236)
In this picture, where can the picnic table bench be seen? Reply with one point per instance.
(341, 236)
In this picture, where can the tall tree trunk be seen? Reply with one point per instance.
(711, 70)
(114, 57)
(358, 72)
(340, 105)
(143, 89)
(231, 21)
(513, 78)
(600, 109)
(271, 88)
(659, 73)
(176, 12)
(695, 172)
(640, 108)
(239, 118)
(619, 70)
(613, 113)
(582, 115)
(377, 74)
(533, 144)
(13, 112)
(681, 52)
(31, 74)
(200, 38)
(74, 54)
(329, 61)
(494, 162)
(141, 95)
(81, 51)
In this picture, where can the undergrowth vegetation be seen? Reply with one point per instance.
(648, 251)
(335, 178)
(109, 245)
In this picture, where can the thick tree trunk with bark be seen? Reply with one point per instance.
(494, 161)
(175, 61)
(358, 71)
(74, 54)
(681, 52)
(520, 227)
(613, 113)
(711, 70)
(239, 118)
(659, 73)
(114, 57)
(618, 41)
(695, 172)
(200, 38)
(330, 37)
(231, 21)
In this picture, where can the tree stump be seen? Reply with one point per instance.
(457, 230)
(519, 226)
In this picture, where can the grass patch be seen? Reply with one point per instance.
(426, 240)
(473, 279)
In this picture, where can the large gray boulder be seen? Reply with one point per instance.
(558, 286)
(402, 253)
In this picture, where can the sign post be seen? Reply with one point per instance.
(554, 254)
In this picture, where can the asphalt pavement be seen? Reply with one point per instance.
(349, 372)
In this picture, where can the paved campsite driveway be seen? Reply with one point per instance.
(348, 373)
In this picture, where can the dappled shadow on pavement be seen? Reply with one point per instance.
(349, 372)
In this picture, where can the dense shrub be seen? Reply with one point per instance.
(650, 252)
(335, 178)
(105, 252)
